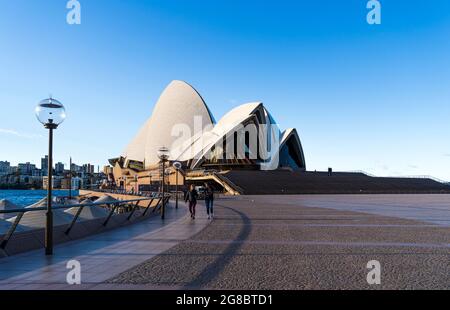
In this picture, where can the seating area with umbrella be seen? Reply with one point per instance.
(6, 205)
(88, 213)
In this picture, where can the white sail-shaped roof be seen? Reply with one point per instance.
(180, 104)
(226, 124)
(292, 135)
(182, 122)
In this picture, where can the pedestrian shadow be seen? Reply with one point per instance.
(216, 267)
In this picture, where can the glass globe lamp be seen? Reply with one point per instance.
(163, 153)
(177, 165)
(50, 112)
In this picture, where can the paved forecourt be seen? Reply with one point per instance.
(309, 242)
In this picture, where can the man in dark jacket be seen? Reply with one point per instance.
(209, 200)
(191, 196)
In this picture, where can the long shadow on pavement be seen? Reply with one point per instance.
(215, 268)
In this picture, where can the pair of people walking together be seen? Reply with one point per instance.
(192, 196)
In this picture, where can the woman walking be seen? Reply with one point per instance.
(209, 201)
(191, 196)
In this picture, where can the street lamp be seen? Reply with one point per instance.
(51, 113)
(136, 183)
(163, 155)
(177, 166)
(70, 178)
(167, 183)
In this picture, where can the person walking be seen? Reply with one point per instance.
(191, 196)
(209, 200)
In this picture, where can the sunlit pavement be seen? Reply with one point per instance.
(261, 242)
(101, 256)
(310, 242)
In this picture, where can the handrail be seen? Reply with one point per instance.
(400, 176)
(59, 207)
(81, 206)
(226, 183)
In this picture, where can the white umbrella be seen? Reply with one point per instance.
(106, 199)
(6, 205)
(89, 213)
(37, 219)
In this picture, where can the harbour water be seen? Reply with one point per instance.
(23, 198)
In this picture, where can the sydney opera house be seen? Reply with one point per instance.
(246, 138)
(245, 152)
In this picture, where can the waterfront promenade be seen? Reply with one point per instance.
(101, 256)
(261, 242)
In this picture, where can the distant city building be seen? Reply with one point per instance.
(27, 175)
(44, 165)
(37, 173)
(65, 183)
(77, 183)
(88, 168)
(5, 167)
(59, 168)
(26, 168)
(76, 169)
(55, 184)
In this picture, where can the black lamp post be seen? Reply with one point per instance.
(177, 166)
(51, 113)
(163, 155)
(70, 178)
(136, 187)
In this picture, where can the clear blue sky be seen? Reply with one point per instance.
(373, 98)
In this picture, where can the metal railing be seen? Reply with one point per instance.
(112, 206)
(129, 193)
(401, 176)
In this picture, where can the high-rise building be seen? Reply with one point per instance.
(5, 167)
(88, 168)
(44, 165)
(59, 168)
(26, 168)
(76, 169)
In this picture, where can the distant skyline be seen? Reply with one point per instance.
(38, 163)
(362, 97)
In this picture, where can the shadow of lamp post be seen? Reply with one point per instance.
(51, 113)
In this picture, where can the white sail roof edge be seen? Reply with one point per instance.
(179, 105)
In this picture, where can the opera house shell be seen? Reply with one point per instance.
(247, 137)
